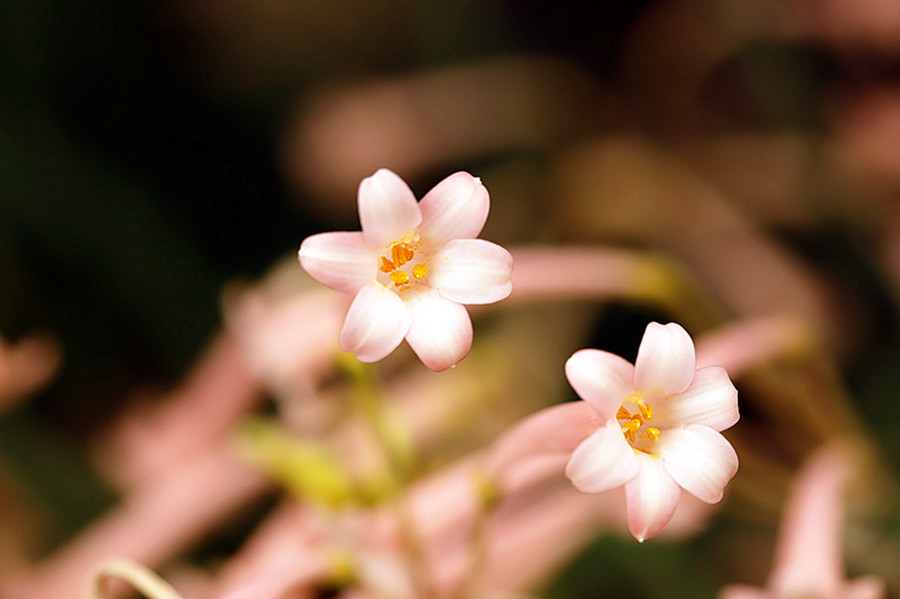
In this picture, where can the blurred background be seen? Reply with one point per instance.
(154, 154)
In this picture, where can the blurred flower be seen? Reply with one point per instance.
(412, 267)
(659, 432)
(808, 557)
(26, 365)
(287, 327)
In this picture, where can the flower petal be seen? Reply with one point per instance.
(711, 400)
(603, 461)
(441, 330)
(600, 378)
(699, 459)
(808, 553)
(339, 260)
(387, 208)
(473, 271)
(558, 429)
(376, 323)
(743, 591)
(651, 498)
(456, 208)
(665, 361)
(866, 587)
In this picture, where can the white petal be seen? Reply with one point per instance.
(473, 271)
(376, 323)
(699, 459)
(651, 498)
(339, 260)
(387, 208)
(600, 378)
(440, 332)
(603, 461)
(665, 362)
(456, 208)
(711, 400)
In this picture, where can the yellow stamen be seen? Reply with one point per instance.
(386, 265)
(630, 427)
(636, 424)
(633, 424)
(419, 271)
(399, 278)
(646, 410)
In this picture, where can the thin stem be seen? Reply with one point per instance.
(398, 453)
(143, 579)
(391, 437)
(489, 497)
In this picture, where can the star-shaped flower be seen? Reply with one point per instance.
(412, 268)
(660, 421)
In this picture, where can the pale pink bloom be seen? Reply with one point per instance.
(808, 554)
(659, 427)
(412, 267)
(266, 325)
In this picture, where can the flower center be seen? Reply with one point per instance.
(634, 415)
(402, 263)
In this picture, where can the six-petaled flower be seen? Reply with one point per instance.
(412, 268)
(661, 419)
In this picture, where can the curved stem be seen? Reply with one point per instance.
(143, 579)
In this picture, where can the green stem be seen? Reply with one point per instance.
(398, 452)
(394, 441)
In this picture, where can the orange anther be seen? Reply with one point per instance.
(419, 271)
(653, 433)
(386, 265)
(399, 277)
(623, 414)
(401, 254)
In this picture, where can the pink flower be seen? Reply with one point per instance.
(808, 561)
(659, 433)
(412, 267)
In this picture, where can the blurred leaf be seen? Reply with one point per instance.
(307, 469)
